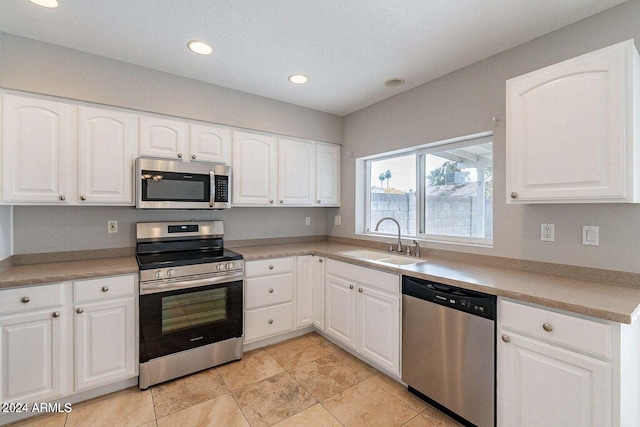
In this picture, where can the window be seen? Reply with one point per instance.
(440, 192)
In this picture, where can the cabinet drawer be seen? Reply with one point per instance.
(268, 321)
(373, 278)
(268, 267)
(103, 288)
(270, 290)
(31, 297)
(574, 332)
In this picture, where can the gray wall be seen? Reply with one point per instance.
(463, 103)
(6, 231)
(32, 66)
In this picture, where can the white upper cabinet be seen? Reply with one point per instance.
(107, 141)
(38, 138)
(160, 137)
(572, 130)
(327, 175)
(255, 172)
(296, 171)
(209, 144)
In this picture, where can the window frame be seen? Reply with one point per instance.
(420, 153)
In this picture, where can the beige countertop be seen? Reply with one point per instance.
(602, 300)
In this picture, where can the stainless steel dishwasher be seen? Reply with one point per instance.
(448, 348)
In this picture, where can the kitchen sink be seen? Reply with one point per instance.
(383, 257)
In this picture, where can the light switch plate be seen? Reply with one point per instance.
(337, 220)
(590, 235)
(307, 220)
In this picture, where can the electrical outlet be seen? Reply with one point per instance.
(547, 232)
(337, 220)
(307, 220)
(112, 226)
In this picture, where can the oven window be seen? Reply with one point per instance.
(185, 311)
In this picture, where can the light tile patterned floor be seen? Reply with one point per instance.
(305, 381)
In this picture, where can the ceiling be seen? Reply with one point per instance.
(348, 48)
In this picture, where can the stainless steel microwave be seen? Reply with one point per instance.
(174, 184)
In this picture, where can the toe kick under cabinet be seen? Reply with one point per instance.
(562, 369)
(63, 338)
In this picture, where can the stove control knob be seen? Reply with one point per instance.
(219, 267)
(229, 266)
(159, 274)
(171, 272)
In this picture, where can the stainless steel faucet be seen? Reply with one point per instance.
(399, 246)
(416, 251)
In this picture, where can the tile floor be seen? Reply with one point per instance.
(305, 381)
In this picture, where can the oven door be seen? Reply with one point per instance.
(183, 319)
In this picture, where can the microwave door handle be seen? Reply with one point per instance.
(212, 189)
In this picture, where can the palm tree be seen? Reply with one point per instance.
(381, 178)
(387, 175)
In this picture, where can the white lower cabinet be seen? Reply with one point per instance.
(557, 369)
(310, 292)
(105, 336)
(362, 311)
(38, 332)
(269, 298)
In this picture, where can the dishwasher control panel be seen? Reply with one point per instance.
(477, 303)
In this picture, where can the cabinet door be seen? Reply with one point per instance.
(378, 321)
(568, 130)
(38, 139)
(161, 137)
(340, 310)
(317, 290)
(254, 169)
(106, 145)
(327, 175)
(105, 342)
(210, 144)
(304, 290)
(543, 385)
(296, 172)
(31, 356)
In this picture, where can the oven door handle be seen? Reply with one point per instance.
(153, 288)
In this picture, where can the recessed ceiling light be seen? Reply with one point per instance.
(394, 82)
(46, 3)
(200, 47)
(298, 79)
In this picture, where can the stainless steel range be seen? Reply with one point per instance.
(190, 299)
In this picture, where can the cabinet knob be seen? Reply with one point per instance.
(271, 201)
(55, 314)
(83, 198)
(80, 310)
(270, 321)
(350, 286)
(105, 288)
(281, 201)
(319, 201)
(179, 155)
(360, 290)
(25, 300)
(271, 267)
(547, 327)
(506, 338)
(271, 290)
(62, 198)
(514, 195)
(193, 156)
(320, 260)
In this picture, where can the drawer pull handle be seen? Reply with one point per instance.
(83, 198)
(319, 201)
(350, 286)
(270, 321)
(360, 290)
(514, 195)
(320, 260)
(506, 338)
(271, 267)
(193, 156)
(179, 155)
(63, 198)
(271, 290)
(105, 288)
(25, 300)
(80, 310)
(547, 327)
(55, 314)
